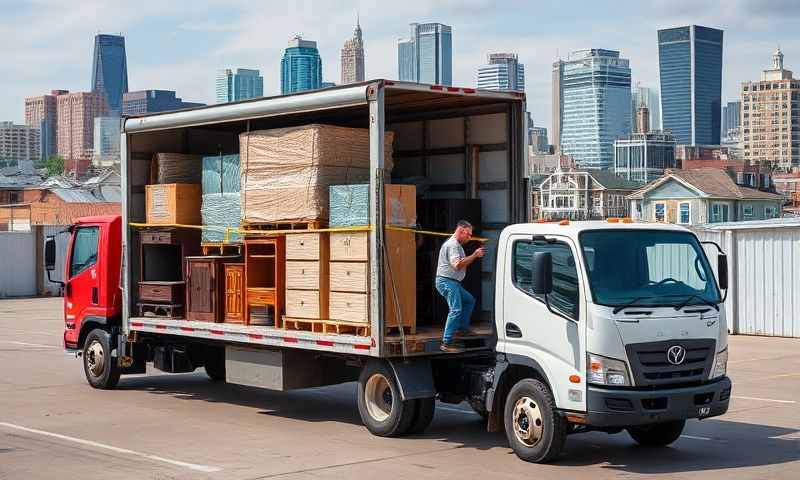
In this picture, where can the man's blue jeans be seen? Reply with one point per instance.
(460, 302)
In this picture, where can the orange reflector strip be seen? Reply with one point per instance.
(575, 379)
(613, 220)
(576, 419)
(627, 220)
(564, 222)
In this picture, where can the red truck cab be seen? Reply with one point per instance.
(92, 295)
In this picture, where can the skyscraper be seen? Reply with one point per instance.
(649, 98)
(427, 55)
(502, 72)
(557, 102)
(245, 83)
(18, 143)
(301, 66)
(595, 93)
(690, 66)
(353, 58)
(731, 114)
(110, 69)
(40, 112)
(771, 115)
(149, 101)
(75, 132)
(106, 141)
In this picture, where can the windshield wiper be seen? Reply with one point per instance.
(632, 303)
(702, 299)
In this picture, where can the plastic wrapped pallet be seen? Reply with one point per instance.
(349, 205)
(175, 168)
(221, 174)
(286, 172)
(220, 211)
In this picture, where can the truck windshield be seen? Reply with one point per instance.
(647, 268)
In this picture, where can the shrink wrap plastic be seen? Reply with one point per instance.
(175, 168)
(221, 174)
(286, 172)
(349, 205)
(220, 210)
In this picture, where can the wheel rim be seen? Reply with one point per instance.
(528, 424)
(95, 358)
(378, 397)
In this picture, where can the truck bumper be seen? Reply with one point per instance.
(624, 408)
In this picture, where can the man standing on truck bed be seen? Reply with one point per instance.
(450, 271)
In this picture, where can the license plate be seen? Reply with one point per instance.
(704, 411)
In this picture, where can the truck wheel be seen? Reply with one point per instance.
(100, 367)
(423, 414)
(534, 430)
(215, 364)
(658, 434)
(379, 403)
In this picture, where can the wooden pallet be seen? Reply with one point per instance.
(408, 330)
(266, 227)
(171, 311)
(221, 248)
(333, 327)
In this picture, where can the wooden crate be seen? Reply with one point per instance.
(173, 203)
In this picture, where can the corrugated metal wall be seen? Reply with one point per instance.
(764, 273)
(17, 264)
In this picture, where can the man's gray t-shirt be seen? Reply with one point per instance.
(451, 250)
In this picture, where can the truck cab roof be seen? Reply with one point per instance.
(573, 229)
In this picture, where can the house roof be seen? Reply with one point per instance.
(707, 182)
(612, 182)
(72, 195)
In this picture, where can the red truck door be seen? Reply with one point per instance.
(82, 289)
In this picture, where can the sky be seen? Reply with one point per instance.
(179, 44)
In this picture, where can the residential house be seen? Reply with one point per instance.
(581, 195)
(699, 196)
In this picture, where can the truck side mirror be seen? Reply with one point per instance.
(50, 253)
(722, 271)
(542, 273)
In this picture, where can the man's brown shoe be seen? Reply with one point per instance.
(451, 347)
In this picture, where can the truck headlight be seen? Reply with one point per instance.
(606, 371)
(720, 364)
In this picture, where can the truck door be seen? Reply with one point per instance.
(82, 288)
(553, 337)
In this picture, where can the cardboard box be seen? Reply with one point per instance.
(173, 203)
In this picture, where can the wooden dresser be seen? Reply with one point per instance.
(307, 276)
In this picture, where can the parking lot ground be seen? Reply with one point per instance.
(160, 426)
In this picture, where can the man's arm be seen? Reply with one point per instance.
(460, 263)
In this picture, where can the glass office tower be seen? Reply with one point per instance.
(243, 84)
(427, 55)
(690, 66)
(301, 67)
(595, 87)
(110, 69)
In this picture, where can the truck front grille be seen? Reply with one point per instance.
(650, 367)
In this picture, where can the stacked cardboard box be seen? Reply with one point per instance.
(286, 172)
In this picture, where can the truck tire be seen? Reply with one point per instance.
(99, 366)
(423, 414)
(535, 431)
(379, 402)
(657, 434)
(215, 364)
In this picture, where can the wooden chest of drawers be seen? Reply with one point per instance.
(161, 292)
(304, 304)
(349, 276)
(349, 307)
(349, 246)
(307, 275)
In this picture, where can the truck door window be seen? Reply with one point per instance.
(565, 274)
(84, 250)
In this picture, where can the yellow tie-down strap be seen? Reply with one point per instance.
(252, 232)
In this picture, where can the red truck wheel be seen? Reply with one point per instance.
(99, 366)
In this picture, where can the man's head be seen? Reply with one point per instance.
(463, 231)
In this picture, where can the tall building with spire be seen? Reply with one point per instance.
(353, 57)
(110, 69)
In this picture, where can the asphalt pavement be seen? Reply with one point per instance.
(163, 426)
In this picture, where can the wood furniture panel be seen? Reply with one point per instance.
(205, 292)
(265, 263)
(302, 275)
(349, 276)
(400, 276)
(304, 304)
(350, 307)
(161, 292)
(306, 246)
(234, 293)
(349, 246)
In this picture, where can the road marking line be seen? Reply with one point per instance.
(764, 399)
(190, 466)
(29, 344)
(692, 437)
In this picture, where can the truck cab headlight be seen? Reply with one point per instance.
(606, 371)
(720, 364)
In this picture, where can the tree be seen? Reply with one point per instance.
(54, 165)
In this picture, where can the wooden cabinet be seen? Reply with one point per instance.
(349, 246)
(161, 292)
(349, 307)
(205, 293)
(349, 276)
(303, 304)
(307, 275)
(264, 265)
(234, 293)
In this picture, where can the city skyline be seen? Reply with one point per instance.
(178, 57)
